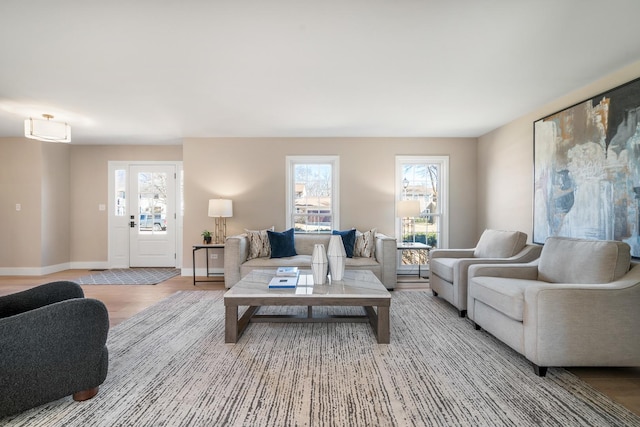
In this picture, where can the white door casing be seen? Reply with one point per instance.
(145, 194)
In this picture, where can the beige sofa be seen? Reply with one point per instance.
(577, 305)
(448, 267)
(236, 265)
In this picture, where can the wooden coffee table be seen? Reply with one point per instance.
(358, 288)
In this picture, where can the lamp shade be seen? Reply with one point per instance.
(47, 130)
(408, 208)
(220, 208)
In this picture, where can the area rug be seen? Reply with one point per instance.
(128, 276)
(169, 366)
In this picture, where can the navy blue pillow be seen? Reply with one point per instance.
(281, 243)
(348, 240)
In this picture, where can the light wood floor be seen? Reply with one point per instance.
(123, 301)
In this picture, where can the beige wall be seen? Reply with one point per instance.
(89, 188)
(20, 183)
(59, 187)
(71, 181)
(505, 160)
(251, 172)
(55, 204)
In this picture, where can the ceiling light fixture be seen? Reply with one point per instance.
(47, 130)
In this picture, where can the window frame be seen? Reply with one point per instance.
(443, 198)
(334, 162)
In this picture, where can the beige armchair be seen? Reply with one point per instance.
(575, 306)
(448, 267)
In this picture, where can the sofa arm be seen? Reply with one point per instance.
(38, 296)
(530, 253)
(386, 252)
(52, 352)
(526, 271)
(236, 251)
(451, 253)
(584, 324)
(527, 254)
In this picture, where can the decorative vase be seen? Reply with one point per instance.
(319, 264)
(337, 257)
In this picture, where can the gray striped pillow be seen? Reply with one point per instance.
(259, 245)
(365, 244)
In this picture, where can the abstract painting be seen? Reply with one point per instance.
(587, 169)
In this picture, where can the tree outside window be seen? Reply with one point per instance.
(312, 194)
(421, 182)
(422, 178)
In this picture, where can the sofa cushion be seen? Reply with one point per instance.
(360, 262)
(566, 260)
(303, 262)
(503, 294)
(304, 242)
(443, 267)
(259, 245)
(300, 261)
(348, 240)
(365, 244)
(281, 243)
(500, 244)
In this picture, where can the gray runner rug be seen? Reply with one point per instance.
(129, 276)
(169, 366)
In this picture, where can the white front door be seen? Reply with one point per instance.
(152, 216)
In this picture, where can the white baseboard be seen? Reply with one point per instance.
(89, 265)
(84, 265)
(201, 271)
(33, 271)
(41, 271)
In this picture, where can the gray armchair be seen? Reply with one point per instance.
(448, 267)
(52, 345)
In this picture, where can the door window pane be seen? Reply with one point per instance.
(121, 190)
(152, 197)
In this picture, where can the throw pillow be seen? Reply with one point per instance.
(365, 244)
(282, 244)
(348, 240)
(259, 245)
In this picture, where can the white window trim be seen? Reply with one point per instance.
(334, 161)
(444, 185)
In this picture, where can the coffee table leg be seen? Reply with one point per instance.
(383, 325)
(231, 324)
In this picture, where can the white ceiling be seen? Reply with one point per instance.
(156, 71)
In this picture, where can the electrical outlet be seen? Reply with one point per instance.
(214, 256)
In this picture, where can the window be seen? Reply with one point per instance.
(424, 179)
(120, 187)
(152, 201)
(312, 193)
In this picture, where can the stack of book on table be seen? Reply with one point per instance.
(286, 277)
